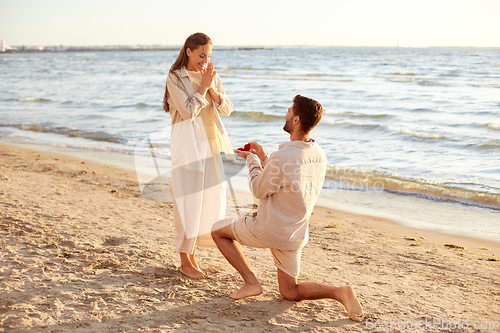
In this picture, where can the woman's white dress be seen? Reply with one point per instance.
(198, 138)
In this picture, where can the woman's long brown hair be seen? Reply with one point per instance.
(192, 42)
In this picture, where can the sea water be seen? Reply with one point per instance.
(410, 134)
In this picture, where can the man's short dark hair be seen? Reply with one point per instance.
(308, 110)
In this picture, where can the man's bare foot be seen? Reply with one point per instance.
(351, 303)
(193, 272)
(246, 291)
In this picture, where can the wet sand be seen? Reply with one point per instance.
(82, 251)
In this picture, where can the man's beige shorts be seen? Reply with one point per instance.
(285, 260)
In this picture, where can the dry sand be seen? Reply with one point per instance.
(82, 251)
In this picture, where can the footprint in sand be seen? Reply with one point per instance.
(114, 241)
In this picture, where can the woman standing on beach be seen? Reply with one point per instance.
(195, 98)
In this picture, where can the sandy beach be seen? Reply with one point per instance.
(82, 251)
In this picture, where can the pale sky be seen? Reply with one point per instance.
(411, 23)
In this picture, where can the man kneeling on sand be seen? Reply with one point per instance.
(288, 183)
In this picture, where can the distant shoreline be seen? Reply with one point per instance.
(97, 49)
(50, 49)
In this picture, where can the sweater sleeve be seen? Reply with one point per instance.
(188, 106)
(226, 106)
(264, 182)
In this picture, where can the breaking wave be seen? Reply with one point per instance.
(469, 194)
(351, 114)
(423, 136)
(368, 127)
(492, 126)
(33, 100)
(70, 132)
(256, 116)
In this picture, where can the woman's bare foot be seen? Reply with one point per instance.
(190, 268)
(194, 263)
(351, 303)
(192, 272)
(247, 290)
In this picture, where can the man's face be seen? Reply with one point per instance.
(289, 120)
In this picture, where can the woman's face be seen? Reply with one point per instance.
(198, 58)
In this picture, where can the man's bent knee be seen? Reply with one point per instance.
(290, 294)
(214, 234)
(288, 286)
(222, 229)
(218, 226)
(215, 231)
